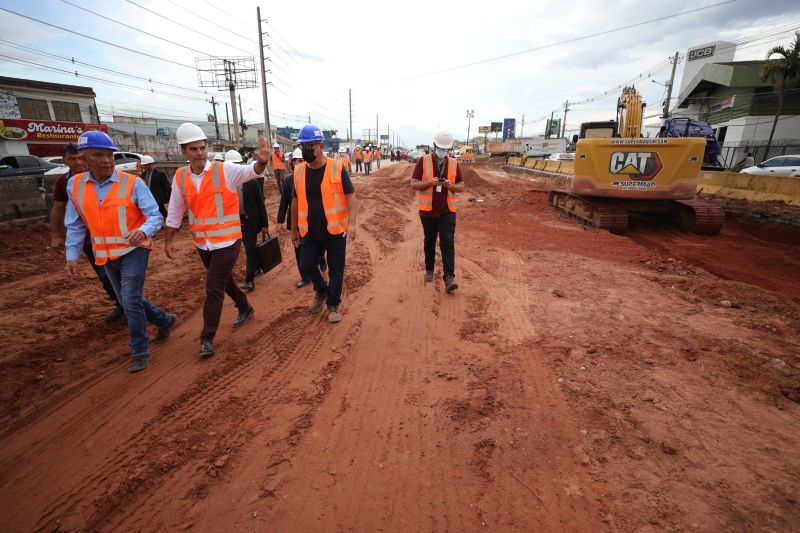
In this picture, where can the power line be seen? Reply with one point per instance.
(193, 30)
(221, 26)
(137, 29)
(97, 39)
(566, 41)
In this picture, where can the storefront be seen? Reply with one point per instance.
(40, 137)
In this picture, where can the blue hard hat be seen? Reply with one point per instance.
(309, 134)
(95, 139)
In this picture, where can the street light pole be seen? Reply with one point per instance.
(267, 126)
(470, 116)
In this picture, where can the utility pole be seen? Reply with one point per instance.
(522, 126)
(669, 87)
(309, 119)
(231, 77)
(548, 126)
(241, 119)
(228, 121)
(267, 126)
(350, 101)
(564, 125)
(216, 125)
(377, 132)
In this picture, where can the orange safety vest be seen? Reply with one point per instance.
(277, 161)
(357, 154)
(367, 156)
(214, 210)
(379, 155)
(425, 196)
(110, 221)
(345, 159)
(333, 198)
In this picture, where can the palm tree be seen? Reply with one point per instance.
(784, 73)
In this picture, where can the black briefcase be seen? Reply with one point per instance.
(269, 253)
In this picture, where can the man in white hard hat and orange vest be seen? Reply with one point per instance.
(324, 216)
(210, 192)
(278, 165)
(122, 216)
(437, 178)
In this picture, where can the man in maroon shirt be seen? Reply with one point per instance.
(438, 179)
(74, 160)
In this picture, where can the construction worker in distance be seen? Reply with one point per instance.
(378, 157)
(342, 156)
(278, 165)
(122, 216)
(323, 219)
(437, 178)
(210, 192)
(367, 159)
(358, 155)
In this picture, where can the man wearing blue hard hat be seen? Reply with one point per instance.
(122, 217)
(324, 216)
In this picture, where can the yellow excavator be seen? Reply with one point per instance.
(618, 173)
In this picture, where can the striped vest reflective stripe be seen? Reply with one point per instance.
(110, 221)
(214, 209)
(333, 198)
(425, 196)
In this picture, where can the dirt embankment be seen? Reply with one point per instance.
(576, 381)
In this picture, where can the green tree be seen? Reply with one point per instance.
(784, 73)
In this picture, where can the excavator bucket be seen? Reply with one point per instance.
(638, 168)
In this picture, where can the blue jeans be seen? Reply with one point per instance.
(310, 253)
(126, 275)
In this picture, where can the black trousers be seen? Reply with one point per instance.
(279, 180)
(249, 240)
(443, 227)
(358, 165)
(219, 282)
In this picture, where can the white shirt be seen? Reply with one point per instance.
(235, 175)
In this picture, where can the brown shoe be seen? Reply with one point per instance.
(333, 314)
(450, 283)
(428, 276)
(316, 305)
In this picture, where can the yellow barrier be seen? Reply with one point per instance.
(566, 167)
(515, 161)
(750, 186)
(552, 166)
(530, 163)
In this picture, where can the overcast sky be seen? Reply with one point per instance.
(398, 58)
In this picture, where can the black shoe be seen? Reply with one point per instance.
(139, 363)
(249, 286)
(258, 271)
(163, 333)
(243, 317)
(428, 276)
(116, 314)
(450, 283)
(300, 284)
(206, 349)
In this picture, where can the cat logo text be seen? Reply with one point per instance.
(638, 166)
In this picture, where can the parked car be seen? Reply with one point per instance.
(55, 159)
(563, 156)
(784, 165)
(404, 155)
(25, 165)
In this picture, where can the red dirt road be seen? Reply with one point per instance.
(576, 381)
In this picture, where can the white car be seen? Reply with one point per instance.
(563, 156)
(784, 165)
(124, 161)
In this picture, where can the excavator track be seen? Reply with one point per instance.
(613, 214)
(700, 217)
(597, 213)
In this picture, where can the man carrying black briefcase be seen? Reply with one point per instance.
(253, 213)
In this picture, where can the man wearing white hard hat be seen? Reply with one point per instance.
(437, 178)
(158, 183)
(209, 190)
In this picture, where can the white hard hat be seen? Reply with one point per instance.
(297, 154)
(147, 160)
(219, 156)
(358, 146)
(276, 145)
(233, 156)
(342, 150)
(188, 132)
(443, 139)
